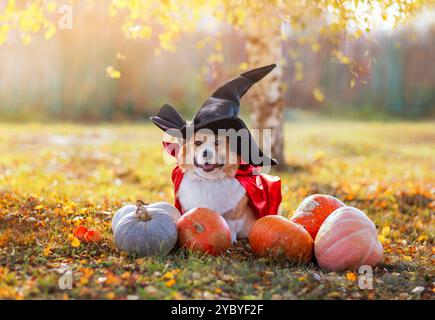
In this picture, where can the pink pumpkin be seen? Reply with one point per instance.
(346, 240)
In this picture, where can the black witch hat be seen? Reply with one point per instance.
(220, 111)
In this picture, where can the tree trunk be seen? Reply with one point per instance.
(264, 46)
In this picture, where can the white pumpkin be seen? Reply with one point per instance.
(146, 229)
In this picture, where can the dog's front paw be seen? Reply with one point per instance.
(233, 237)
(234, 226)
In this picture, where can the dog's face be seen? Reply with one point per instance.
(209, 156)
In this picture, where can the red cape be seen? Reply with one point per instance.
(263, 191)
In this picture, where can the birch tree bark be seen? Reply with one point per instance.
(264, 46)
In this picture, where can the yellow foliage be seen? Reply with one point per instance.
(111, 72)
(315, 46)
(110, 295)
(75, 243)
(422, 238)
(318, 95)
(299, 71)
(243, 66)
(166, 20)
(50, 30)
(51, 6)
(170, 283)
(351, 276)
(46, 251)
(215, 57)
(341, 57)
(185, 15)
(385, 231)
(26, 38)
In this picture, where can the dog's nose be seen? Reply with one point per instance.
(207, 154)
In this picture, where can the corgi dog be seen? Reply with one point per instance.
(210, 172)
(209, 182)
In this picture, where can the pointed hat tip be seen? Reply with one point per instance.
(257, 74)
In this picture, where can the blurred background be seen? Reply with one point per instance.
(70, 76)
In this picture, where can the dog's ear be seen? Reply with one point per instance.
(172, 148)
(168, 118)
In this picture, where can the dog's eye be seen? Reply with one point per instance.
(198, 143)
(217, 142)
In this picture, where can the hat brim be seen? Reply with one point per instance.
(255, 155)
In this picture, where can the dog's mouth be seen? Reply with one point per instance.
(207, 167)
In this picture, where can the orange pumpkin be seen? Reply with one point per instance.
(204, 230)
(87, 235)
(314, 210)
(92, 236)
(275, 236)
(80, 231)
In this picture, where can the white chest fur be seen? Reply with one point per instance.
(220, 195)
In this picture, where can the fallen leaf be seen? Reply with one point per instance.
(351, 276)
(170, 283)
(75, 242)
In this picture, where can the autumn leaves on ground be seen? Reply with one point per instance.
(55, 177)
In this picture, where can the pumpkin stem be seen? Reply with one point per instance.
(199, 227)
(141, 203)
(141, 211)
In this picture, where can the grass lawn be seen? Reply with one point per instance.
(54, 177)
